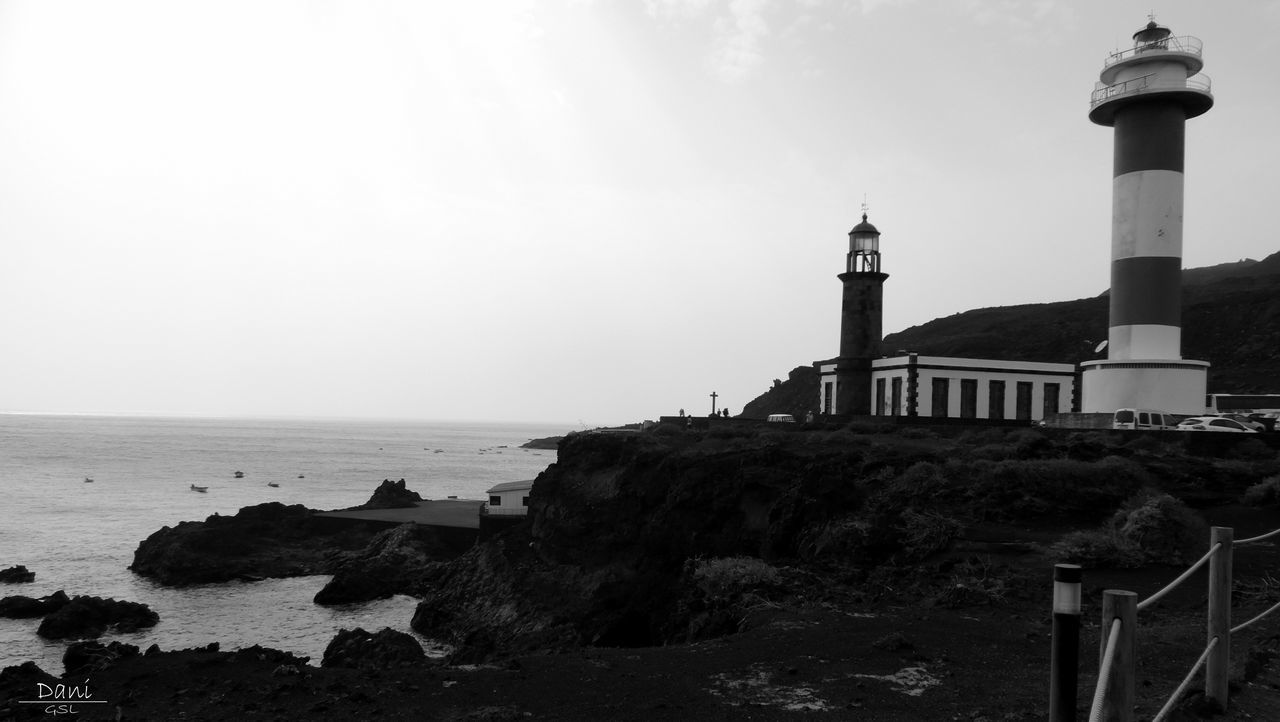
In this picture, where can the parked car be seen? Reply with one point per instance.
(1267, 420)
(1141, 419)
(1213, 423)
(1245, 421)
(783, 418)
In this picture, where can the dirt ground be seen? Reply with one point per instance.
(895, 658)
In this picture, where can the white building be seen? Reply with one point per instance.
(509, 498)
(959, 388)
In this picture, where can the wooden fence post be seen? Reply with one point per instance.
(1117, 706)
(1217, 666)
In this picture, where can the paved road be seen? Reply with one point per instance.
(463, 513)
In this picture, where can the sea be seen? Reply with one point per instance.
(79, 536)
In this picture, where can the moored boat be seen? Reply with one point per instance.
(200, 489)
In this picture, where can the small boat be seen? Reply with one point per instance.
(201, 489)
(239, 474)
(300, 476)
(88, 480)
(272, 483)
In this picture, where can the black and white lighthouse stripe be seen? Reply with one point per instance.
(1146, 230)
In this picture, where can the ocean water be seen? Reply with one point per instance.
(80, 537)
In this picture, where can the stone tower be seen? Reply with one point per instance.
(861, 320)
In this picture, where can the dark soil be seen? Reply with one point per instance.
(893, 649)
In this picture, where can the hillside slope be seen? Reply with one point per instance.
(1230, 318)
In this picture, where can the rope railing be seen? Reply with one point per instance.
(1260, 537)
(1181, 578)
(1258, 618)
(1104, 672)
(1114, 695)
(1186, 682)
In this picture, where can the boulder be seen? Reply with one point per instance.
(385, 649)
(266, 540)
(83, 657)
(393, 563)
(20, 607)
(17, 575)
(85, 617)
(392, 495)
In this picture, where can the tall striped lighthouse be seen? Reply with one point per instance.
(1147, 93)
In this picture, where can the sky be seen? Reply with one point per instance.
(564, 211)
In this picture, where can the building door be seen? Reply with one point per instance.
(941, 392)
(995, 400)
(896, 393)
(828, 390)
(1051, 392)
(879, 409)
(1024, 401)
(968, 398)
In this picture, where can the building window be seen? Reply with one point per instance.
(896, 392)
(995, 400)
(968, 398)
(941, 392)
(524, 501)
(1024, 401)
(828, 391)
(879, 409)
(495, 501)
(1051, 392)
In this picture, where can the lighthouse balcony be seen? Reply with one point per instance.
(1194, 93)
(1183, 50)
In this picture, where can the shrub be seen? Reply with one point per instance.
(729, 576)
(1264, 493)
(925, 533)
(1252, 449)
(1096, 548)
(917, 432)
(845, 536)
(1151, 528)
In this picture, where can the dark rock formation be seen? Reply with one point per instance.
(392, 563)
(84, 657)
(385, 649)
(391, 495)
(85, 617)
(267, 540)
(612, 525)
(548, 442)
(17, 575)
(19, 607)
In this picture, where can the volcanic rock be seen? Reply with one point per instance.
(86, 617)
(392, 563)
(391, 495)
(95, 656)
(385, 649)
(267, 540)
(17, 575)
(20, 607)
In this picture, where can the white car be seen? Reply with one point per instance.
(1244, 421)
(1213, 423)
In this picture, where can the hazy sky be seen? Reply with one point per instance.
(593, 212)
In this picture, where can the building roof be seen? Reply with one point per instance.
(864, 227)
(511, 486)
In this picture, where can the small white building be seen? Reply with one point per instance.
(959, 388)
(509, 498)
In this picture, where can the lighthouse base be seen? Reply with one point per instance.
(1176, 386)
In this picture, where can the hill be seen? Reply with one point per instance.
(1230, 318)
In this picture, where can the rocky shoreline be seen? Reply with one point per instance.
(715, 574)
